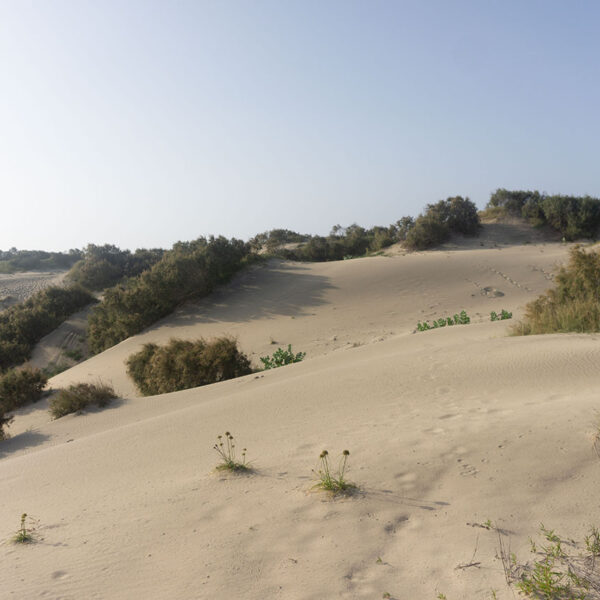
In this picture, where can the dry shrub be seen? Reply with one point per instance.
(80, 396)
(185, 364)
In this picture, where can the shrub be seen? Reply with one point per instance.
(281, 357)
(189, 270)
(25, 324)
(185, 364)
(427, 232)
(573, 305)
(573, 216)
(19, 387)
(504, 314)
(104, 266)
(78, 397)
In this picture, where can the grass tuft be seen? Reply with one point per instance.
(334, 482)
(225, 447)
(25, 534)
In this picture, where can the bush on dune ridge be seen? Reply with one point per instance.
(183, 364)
(25, 324)
(573, 216)
(104, 266)
(573, 305)
(189, 270)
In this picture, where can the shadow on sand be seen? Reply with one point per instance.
(27, 439)
(274, 289)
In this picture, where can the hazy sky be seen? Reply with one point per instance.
(144, 123)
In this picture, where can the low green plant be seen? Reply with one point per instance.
(77, 398)
(54, 368)
(226, 450)
(281, 357)
(592, 542)
(457, 319)
(330, 481)
(504, 314)
(24, 535)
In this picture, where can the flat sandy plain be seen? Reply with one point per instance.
(446, 429)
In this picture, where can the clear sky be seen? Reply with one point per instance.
(143, 123)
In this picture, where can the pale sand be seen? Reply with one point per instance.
(445, 428)
(17, 287)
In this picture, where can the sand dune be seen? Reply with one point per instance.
(446, 429)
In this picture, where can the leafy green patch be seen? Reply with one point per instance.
(281, 357)
(457, 319)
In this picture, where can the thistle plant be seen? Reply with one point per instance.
(330, 481)
(225, 446)
(24, 535)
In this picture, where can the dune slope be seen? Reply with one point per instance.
(446, 429)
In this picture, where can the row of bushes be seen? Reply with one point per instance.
(25, 324)
(189, 270)
(573, 216)
(104, 266)
(13, 260)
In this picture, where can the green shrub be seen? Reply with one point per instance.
(281, 357)
(427, 232)
(19, 387)
(573, 216)
(78, 397)
(189, 270)
(573, 305)
(25, 324)
(185, 364)
(104, 266)
(440, 220)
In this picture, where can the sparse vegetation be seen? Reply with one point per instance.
(25, 534)
(74, 354)
(183, 364)
(281, 357)
(457, 319)
(226, 450)
(504, 314)
(559, 570)
(25, 324)
(333, 482)
(573, 305)
(189, 270)
(78, 397)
